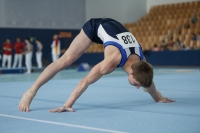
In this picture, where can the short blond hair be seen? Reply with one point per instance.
(143, 73)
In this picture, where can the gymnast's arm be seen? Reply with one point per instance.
(155, 94)
(96, 73)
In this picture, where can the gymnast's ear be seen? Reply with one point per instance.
(131, 73)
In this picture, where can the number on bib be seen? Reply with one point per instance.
(127, 40)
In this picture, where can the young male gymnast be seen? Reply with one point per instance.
(121, 50)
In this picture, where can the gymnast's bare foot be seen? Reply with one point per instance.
(26, 101)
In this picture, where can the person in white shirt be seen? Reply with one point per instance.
(28, 55)
(38, 52)
(55, 46)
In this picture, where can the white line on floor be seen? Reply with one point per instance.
(62, 124)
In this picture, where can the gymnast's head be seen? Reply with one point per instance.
(141, 74)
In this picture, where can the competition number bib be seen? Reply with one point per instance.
(127, 40)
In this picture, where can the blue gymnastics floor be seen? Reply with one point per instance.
(110, 105)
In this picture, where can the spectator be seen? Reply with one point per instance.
(163, 43)
(7, 55)
(164, 46)
(186, 48)
(38, 52)
(19, 48)
(178, 45)
(155, 48)
(55, 46)
(194, 37)
(171, 44)
(194, 20)
(28, 55)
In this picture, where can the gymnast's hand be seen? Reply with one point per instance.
(166, 100)
(61, 109)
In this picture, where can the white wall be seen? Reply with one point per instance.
(56, 14)
(71, 14)
(161, 2)
(135, 9)
(122, 10)
(2, 5)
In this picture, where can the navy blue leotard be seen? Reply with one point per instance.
(104, 31)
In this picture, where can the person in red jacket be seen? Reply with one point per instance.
(19, 47)
(7, 55)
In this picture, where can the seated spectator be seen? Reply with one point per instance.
(155, 48)
(165, 48)
(186, 48)
(178, 45)
(163, 43)
(194, 20)
(171, 44)
(194, 37)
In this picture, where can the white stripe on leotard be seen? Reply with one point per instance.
(105, 38)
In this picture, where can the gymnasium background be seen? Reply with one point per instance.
(44, 18)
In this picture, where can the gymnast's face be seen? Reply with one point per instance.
(133, 81)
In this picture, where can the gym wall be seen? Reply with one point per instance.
(123, 11)
(48, 14)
